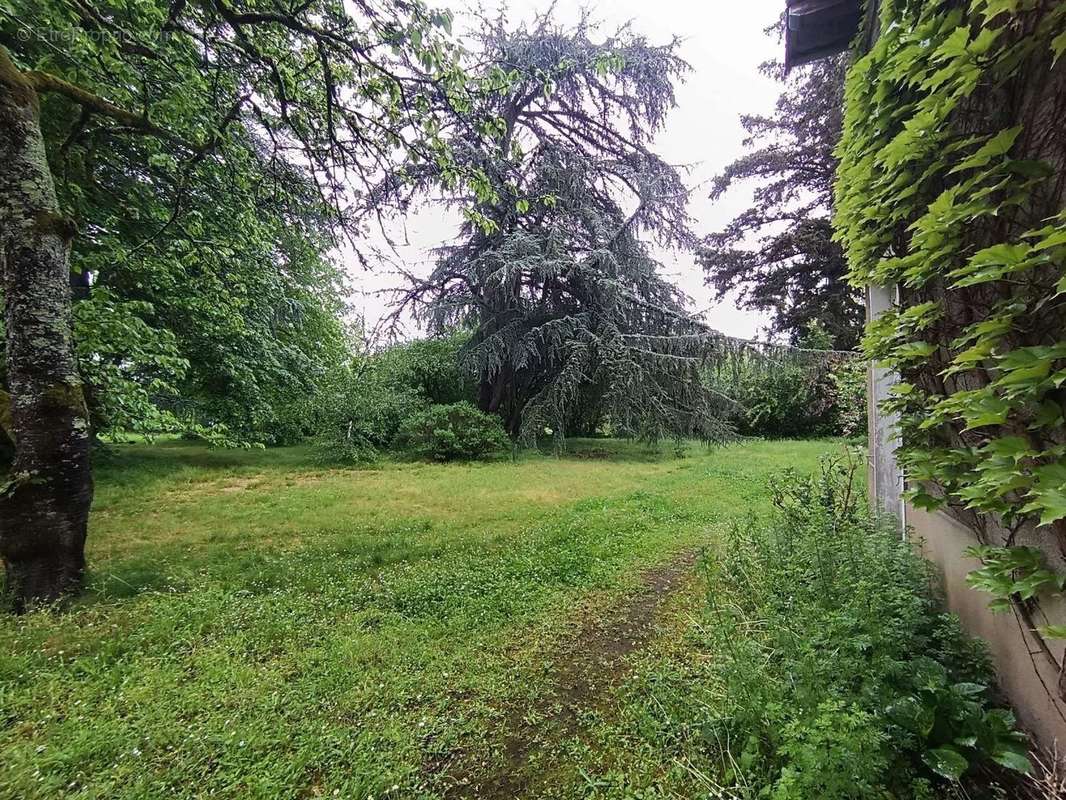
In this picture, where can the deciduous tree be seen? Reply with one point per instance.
(221, 96)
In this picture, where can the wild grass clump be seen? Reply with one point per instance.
(841, 676)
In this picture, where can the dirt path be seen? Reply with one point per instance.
(586, 668)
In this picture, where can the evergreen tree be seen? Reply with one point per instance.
(779, 253)
(572, 321)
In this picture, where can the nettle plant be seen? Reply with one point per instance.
(951, 187)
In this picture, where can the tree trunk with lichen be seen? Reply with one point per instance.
(44, 506)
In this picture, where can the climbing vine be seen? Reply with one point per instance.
(951, 188)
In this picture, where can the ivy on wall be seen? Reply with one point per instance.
(951, 187)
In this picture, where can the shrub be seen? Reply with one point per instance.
(369, 401)
(848, 391)
(823, 397)
(454, 432)
(841, 673)
(366, 415)
(779, 400)
(428, 368)
(797, 395)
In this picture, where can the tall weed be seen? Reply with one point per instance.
(843, 677)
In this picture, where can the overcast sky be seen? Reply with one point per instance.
(724, 43)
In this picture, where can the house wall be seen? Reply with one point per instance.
(1025, 676)
(1032, 685)
(1029, 681)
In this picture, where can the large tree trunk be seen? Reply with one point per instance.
(44, 507)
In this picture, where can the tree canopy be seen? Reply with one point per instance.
(779, 254)
(200, 159)
(573, 324)
(211, 156)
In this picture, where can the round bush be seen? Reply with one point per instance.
(455, 432)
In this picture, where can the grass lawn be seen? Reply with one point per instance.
(258, 626)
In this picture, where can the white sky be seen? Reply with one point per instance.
(724, 43)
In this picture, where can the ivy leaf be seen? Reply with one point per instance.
(1052, 631)
(946, 761)
(1058, 46)
(1054, 239)
(1000, 605)
(1049, 415)
(992, 263)
(1012, 447)
(914, 351)
(996, 7)
(971, 356)
(984, 41)
(996, 146)
(954, 45)
(923, 500)
(986, 409)
(1048, 493)
(1031, 585)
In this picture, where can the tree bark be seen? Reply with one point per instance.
(44, 506)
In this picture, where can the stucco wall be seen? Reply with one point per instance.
(1023, 672)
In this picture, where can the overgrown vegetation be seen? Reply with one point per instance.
(370, 399)
(367, 405)
(814, 661)
(817, 395)
(272, 624)
(846, 679)
(951, 188)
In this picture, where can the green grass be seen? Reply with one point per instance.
(259, 626)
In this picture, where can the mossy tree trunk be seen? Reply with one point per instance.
(44, 507)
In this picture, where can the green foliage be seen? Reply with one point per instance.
(950, 188)
(456, 432)
(797, 394)
(777, 400)
(848, 385)
(367, 416)
(1013, 573)
(211, 181)
(555, 271)
(367, 401)
(843, 677)
(127, 365)
(428, 367)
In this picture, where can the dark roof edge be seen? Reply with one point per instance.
(813, 42)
